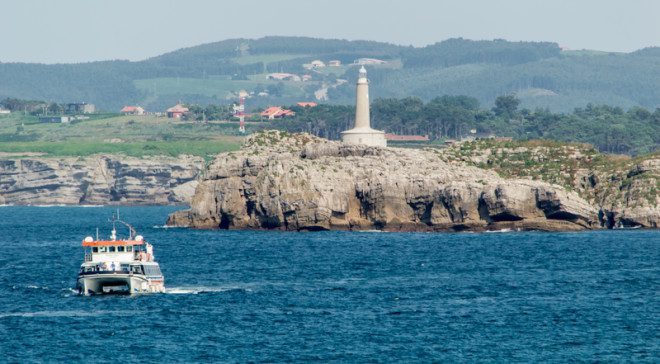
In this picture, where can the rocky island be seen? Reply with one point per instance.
(301, 182)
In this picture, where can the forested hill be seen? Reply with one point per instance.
(539, 73)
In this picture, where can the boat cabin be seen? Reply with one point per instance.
(117, 255)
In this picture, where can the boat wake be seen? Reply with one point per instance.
(202, 289)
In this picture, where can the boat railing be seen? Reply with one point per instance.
(95, 272)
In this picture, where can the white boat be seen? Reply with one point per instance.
(124, 266)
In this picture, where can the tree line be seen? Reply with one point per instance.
(609, 128)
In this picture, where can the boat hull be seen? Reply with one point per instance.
(117, 283)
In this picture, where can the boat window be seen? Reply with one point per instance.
(111, 249)
(129, 248)
(148, 270)
(136, 269)
(120, 249)
(152, 270)
(95, 249)
(124, 267)
(102, 249)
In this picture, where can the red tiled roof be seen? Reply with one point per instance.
(276, 111)
(129, 109)
(407, 138)
(177, 108)
(307, 104)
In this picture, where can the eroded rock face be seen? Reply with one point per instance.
(98, 180)
(625, 190)
(299, 182)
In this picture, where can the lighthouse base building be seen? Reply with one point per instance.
(362, 134)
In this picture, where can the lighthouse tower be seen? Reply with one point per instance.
(362, 134)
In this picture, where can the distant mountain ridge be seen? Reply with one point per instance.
(540, 73)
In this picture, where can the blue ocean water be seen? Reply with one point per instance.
(236, 296)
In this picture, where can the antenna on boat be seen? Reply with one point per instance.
(131, 230)
(97, 234)
(113, 232)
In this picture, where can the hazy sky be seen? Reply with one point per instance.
(84, 30)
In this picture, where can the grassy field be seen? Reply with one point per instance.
(204, 148)
(130, 135)
(220, 87)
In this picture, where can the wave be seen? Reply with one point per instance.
(77, 313)
(507, 230)
(65, 205)
(165, 227)
(31, 286)
(50, 205)
(203, 289)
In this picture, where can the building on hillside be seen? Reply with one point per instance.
(177, 111)
(317, 64)
(368, 61)
(307, 104)
(334, 63)
(132, 110)
(362, 133)
(276, 112)
(407, 138)
(80, 108)
(306, 78)
(283, 77)
(4, 111)
(54, 119)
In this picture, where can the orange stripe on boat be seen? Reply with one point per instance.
(110, 242)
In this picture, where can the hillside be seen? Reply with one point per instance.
(541, 74)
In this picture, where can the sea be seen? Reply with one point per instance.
(272, 296)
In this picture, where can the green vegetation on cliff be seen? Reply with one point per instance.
(607, 180)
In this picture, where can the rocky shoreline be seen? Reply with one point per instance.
(99, 180)
(300, 182)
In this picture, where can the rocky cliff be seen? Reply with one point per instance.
(300, 182)
(625, 190)
(100, 179)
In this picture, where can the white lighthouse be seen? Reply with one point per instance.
(362, 134)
